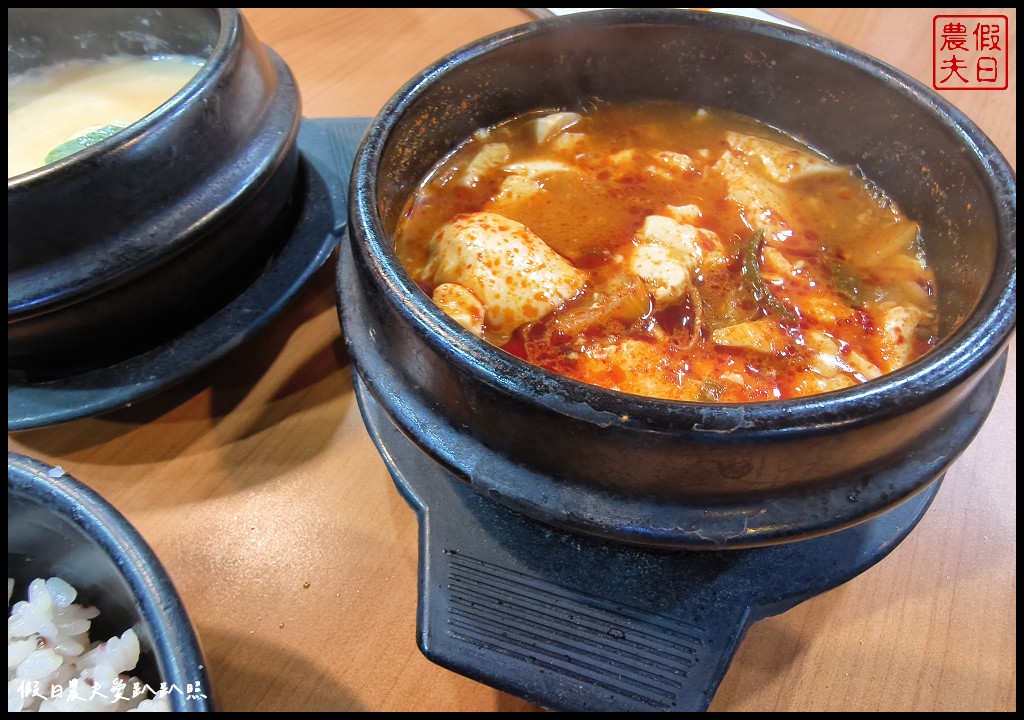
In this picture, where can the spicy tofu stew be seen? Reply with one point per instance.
(671, 252)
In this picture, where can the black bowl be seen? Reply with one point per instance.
(683, 474)
(58, 527)
(126, 243)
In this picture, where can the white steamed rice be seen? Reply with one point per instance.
(53, 666)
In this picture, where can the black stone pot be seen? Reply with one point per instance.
(58, 527)
(129, 242)
(681, 474)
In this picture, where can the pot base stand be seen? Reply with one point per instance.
(573, 623)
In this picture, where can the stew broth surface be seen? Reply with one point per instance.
(673, 252)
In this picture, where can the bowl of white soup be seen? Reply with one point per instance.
(151, 161)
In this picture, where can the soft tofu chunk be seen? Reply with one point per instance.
(781, 163)
(514, 190)
(667, 254)
(538, 169)
(622, 160)
(759, 335)
(550, 126)
(694, 241)
(825, 354)
(862, 365)
(825, 308)
(831, 361)
(490, 157)
(762, 203)
(525, 180)
(461, 305)
(684, 214)
(810, 383)
(511, 271)
(622, 163)
(889, 247)
(570, 143)
(635, 366)
(899, 324)
(665, 270)
(670, 165)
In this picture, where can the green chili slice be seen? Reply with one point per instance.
(751, 272)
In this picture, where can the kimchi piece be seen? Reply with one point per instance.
(672, 252)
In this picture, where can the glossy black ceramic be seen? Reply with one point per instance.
(683, 474)
(575, 623)
(131, 240)
(326, 147)
(58, 527)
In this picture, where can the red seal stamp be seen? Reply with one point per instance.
(969, 52)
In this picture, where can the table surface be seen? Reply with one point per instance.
(259, 488)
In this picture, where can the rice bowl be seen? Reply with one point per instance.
(53, 667)
(66, 544)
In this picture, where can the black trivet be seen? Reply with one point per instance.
(572, 623)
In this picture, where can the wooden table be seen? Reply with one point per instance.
(257, 485)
